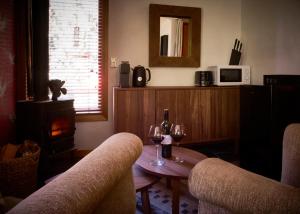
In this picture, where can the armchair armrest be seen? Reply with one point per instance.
(227, 186)
(100, 182)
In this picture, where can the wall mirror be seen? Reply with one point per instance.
(174, 36)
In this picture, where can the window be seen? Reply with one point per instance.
(77, 52)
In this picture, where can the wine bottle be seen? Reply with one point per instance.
(166, 125)
(166, 147)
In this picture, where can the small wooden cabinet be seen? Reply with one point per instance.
(210, 114)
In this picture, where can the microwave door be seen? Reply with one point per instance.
(230, 75)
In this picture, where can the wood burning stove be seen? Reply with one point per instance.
(52, 125)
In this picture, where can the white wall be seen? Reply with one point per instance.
(128, 41)
(271, 36)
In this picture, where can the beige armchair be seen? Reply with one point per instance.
(225, 188)
(101, 182)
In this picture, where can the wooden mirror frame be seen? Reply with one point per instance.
(155, 12)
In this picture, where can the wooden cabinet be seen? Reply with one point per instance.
(219, 113)
(209, 113)
(183, 108)
(134, 111)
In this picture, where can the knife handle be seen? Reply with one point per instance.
(238, 44)
(235, 42)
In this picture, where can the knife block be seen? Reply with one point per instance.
(235, 57)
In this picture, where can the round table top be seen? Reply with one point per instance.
(170, 168)
(141, 179)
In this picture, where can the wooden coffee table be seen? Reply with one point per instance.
(171, 169)
(142, 182)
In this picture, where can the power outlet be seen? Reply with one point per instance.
(113, 62)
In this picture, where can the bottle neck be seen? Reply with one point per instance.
(166, 124)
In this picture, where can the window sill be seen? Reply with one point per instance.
(90, 117)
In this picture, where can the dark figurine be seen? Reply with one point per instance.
(56, 88)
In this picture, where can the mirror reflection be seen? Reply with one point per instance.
(175, 37)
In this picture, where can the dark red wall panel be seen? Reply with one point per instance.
(7, 73)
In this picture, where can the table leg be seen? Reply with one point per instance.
(168, 183)
(145, 201)
(175, 195)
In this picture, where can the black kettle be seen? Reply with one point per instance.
(139, 76)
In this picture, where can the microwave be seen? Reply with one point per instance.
(231, 75)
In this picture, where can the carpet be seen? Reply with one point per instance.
(161, 200)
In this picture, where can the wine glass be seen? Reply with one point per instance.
(177, 133)
(156, 136)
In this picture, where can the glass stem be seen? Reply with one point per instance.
(157, 158)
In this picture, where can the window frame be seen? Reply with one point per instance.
(86, 117)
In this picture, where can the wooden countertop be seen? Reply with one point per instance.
(174, 87)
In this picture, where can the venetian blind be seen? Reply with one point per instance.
(76, 51)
